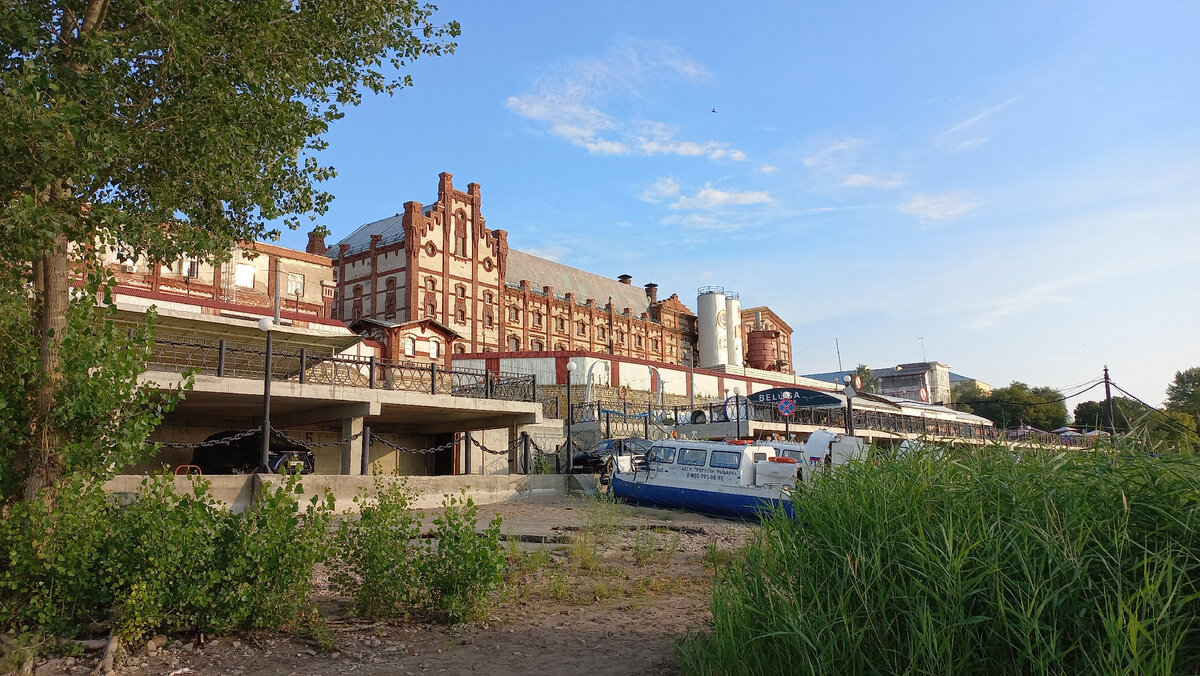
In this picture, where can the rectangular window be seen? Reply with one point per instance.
(693, 456)
(662, 454)
(295, 284)
(244, 276)
(193, 269)
(725, 459)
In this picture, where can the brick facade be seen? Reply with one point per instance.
(441, 262)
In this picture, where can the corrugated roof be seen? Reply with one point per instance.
(540, 272)
(392, 229)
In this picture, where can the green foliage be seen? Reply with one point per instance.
(869, 382)
(460, 567)
(130, 114)
(166, 561)
(1183, 394)
(1020, 404)
(103, 416)
(981, 563)
(375, 563)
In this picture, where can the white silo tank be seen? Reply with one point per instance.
(711, 326)
(733, 321)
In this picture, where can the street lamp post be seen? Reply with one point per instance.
(268, 326)
(737, 410)
(850, 393)
(787, 420)
(570, 451)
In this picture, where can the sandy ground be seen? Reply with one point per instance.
(616, 606)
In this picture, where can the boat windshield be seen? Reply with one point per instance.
(662, 454)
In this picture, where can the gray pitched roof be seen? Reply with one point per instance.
(541, 272)
(392, 229)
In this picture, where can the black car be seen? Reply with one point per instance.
(244, 455)
(592, 461)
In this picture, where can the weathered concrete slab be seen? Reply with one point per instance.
(238, 492)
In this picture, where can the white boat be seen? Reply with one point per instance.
(716, 478)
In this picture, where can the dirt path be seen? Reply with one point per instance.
(614, 600)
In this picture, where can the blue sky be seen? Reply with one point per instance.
(1017, 184)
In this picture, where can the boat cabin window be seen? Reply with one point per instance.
(725, 459)
(662, 454)
(692, 456)
(798, 456)
(760, 457)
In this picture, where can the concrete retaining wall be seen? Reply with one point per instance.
(238, 492)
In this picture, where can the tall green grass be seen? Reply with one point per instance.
(983, 563)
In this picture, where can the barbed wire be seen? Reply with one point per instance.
(418, 451)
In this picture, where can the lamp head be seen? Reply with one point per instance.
(846, 379)
(266, 324)
(571, 367)
(737, 391)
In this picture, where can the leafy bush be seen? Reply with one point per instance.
(166, 561)
(978, 564)
(375, 564)
(460, 567)
(51, 579)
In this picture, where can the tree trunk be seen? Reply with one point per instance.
(44, 461)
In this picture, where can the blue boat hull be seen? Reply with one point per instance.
(713, 503)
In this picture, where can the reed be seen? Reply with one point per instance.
(980, 562)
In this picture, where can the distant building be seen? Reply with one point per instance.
(956, 379)
(920, 381)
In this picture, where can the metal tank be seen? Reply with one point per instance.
(711, 326)
(733, 322)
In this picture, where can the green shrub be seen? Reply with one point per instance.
(166, 561)
(460, 568)
(375, 563)
(52, 580)
(976, 563)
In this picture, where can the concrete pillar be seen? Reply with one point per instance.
(352, 450)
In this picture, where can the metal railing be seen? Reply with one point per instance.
(237, 360)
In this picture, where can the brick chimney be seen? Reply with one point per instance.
(625, 279)
(652, 292)
(316, 244)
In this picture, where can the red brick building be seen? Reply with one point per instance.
(442, 263)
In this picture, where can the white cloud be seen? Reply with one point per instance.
(869, 181)
(944, 207)
(957, 138)
(768, 169)
(660, 190)
(710, 198)
(825, 156)
(570, 102)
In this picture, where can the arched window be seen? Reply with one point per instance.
(537, 319)
(514, 344)
(462, 316)
(410, 346)
(459, 349)
(536, 346)
(581, 328)
(460, 291)
(431, 311)
(435, 349)
(430, 284)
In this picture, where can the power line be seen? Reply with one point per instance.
(1170, 421)
(1029, 403)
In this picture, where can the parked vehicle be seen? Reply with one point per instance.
(595, 459)
(244, 455)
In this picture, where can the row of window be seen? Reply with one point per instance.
(696, 457)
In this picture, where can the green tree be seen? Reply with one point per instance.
(165, 129)
(869, 382)
(1183, 394)
(1020, 404)
(964, 395)
(1094, 414)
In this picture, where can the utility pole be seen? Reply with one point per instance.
(1112, 430)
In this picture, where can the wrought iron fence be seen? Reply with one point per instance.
(228, 359)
